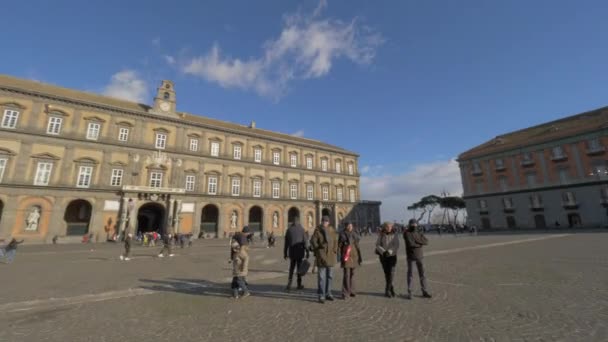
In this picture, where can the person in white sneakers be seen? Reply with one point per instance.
(125, 255)
(167, 241)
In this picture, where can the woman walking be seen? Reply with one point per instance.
(387, 246)
(350, 256)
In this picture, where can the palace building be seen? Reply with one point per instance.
(551, 175)
(74, 163)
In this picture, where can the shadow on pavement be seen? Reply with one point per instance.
(199, 287)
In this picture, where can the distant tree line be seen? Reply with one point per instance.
(451, 209)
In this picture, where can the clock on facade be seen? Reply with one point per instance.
(164, 106)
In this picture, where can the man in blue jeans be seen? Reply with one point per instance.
(324, 244)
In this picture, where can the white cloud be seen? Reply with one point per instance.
(299, 134)
(307, 47)
(127, 85)
(169, 59)
(401, 190)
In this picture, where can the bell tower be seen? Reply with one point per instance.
(164, 101)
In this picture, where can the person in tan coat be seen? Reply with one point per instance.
(324, 245)
(240, 269)
(350, 257)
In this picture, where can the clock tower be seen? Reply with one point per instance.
(164, 101)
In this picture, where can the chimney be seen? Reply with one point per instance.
(252, 124)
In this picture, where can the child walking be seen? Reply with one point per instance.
(240, 268)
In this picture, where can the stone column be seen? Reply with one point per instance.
(123, 216)
(285, 186)
(105, 168)
(169, 219)
(73, 128)
(67, 163)
(176, 217)
(38, 119)
(319, 212)
(180, 140)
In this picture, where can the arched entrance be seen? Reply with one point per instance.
(256, 219)
(209, 220)
(292, 215)
(574, 220)
(77, 217)
(511, 222)
(326, 212)
(485, 223)
(151, 218)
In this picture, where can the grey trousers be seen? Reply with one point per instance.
(410, 269)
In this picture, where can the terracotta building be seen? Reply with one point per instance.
(550, 175)
(74, 163)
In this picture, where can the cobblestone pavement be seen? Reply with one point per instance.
(551, 287)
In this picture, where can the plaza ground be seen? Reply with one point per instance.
(497, 287)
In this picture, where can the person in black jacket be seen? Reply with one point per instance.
(414, 241)
(295, 249)
(127, 253)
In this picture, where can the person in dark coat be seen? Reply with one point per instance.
(127, 252)
(387, 246)
(414, 241)
(350, 258)
(324, 244)
(167, 244)
(295, 249)
(9, 251)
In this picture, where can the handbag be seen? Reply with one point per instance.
(304, 267)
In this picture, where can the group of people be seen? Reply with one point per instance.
(330, 248)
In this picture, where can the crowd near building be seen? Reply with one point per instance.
(74, 163)
(551, 175)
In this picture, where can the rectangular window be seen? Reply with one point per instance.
(156, 179)
(351, 169)
(43, 173)
(558, 152)
(116, 179)
(324, 164)
(338, 167)
(276, 158)
(257, 188)
(483, 204)
(503, 183)
(594, 144)
(161, 141)
(536, 201)
(84, 176)
(189, 183)
(527, 157)
(54, 126)
(123, 134)
(507, 203)
(193, 145)
(93, 131)
(309, 192)
(215, 149)
(237, 152)
(212, 186)
(293, 160)
(257, 155)
(339, 195)
(352, 195)
(325, 193)
(276, 189)
(293, 191)
(3, 163)
(563, 176)
(569, 198)
(531, 179)
(9, 120)
(500, 164)
(236, 186)
(309, 163)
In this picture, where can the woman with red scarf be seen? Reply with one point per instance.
(350, 258)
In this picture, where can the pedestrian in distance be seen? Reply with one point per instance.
(295, 250)
(10, 250)
(350, 257)
(324, 243)
(414, 242)
(167, 246)
(240, 269)
(127, 253)
(387, 246)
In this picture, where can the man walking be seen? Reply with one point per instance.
(295, 250)
(167, 242)
(414, 241)
(324, 243)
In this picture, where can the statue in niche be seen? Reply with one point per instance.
(275, 220)
(233, 219)
(32, 219)
(309, 219)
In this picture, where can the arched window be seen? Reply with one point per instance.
(166, 96)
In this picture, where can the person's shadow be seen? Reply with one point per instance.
(198, 287)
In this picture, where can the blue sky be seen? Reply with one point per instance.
(407, 84)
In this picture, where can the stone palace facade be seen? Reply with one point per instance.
(74, 163)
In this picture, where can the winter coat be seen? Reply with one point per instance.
(295, 242)
(12, 245)
(414, 241)
(324, 244)
(387, 244)
(350, 239)
(240, 263)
